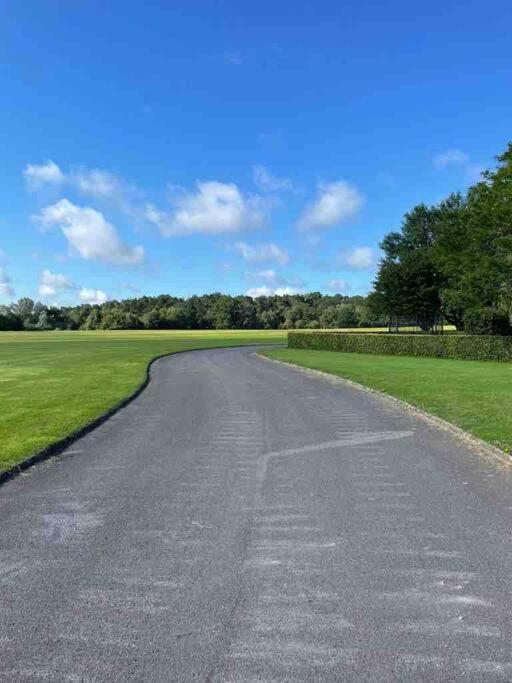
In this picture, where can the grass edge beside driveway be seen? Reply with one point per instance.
(52, 384)
(475, 396)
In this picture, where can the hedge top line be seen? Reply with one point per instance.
(464, 347)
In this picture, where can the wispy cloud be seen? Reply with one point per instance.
(233, 57)
(36, 176)
(6, 288)
(96, 183)
(93, 183)
(336, 203)
(52, 284)
(456, 158)
(267, 182)
(272, 278)
(131, 288)
(360, 258)
(338, 286)
(450, 157)
(262, 252)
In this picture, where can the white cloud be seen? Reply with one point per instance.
(265, 290)
(254, 292)
(214, 208)
(360, 257)
(45, 174)
(92, 296)
(338, 286)
(90, 182)
(450, 157)
(51, 284)
(270, 276)
(336, 202)
(274, 279)
(262, 252)
(267, 182)
(6, 289)
(96, 183)
(90, 234)
(283, 291)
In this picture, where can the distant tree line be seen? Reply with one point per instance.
(210, 311)
(453, 259)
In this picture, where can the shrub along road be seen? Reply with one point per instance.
(242, 521)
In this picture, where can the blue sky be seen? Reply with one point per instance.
(190, 147)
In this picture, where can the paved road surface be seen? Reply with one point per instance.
(241, 521)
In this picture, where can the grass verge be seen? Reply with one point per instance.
(52, 383)
(473, 395)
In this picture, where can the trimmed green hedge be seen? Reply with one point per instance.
(466, 347)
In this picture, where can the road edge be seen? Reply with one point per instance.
(475, 442)
(57, 447)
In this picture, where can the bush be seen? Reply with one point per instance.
(10, 321)
(487, 321)
(465, 347)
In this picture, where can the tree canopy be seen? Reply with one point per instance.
(454, 259)
(210, 311)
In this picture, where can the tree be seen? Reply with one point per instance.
(488, 276)
(24, 310)
(93, 320)
(9, 321)
(220, 312)
(151, 319)
(408, 282)
(451, 219)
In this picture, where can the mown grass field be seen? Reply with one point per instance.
(474, 395)
(52, 383)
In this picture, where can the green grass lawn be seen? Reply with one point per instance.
(474, 395)
(52, 383)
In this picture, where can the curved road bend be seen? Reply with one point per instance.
(241, 521)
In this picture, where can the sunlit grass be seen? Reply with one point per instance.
(52, 383)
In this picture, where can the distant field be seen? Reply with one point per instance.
(474, 395)
(51, 383)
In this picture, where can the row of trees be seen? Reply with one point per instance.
(210, 311)
(454, 259)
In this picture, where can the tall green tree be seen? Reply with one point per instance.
(408, 281)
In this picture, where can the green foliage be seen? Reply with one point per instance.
(342, 315)
(452, 258)
(210, 311)
(408, 282)
(466, 347)
(9, 320)
(487, 321)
